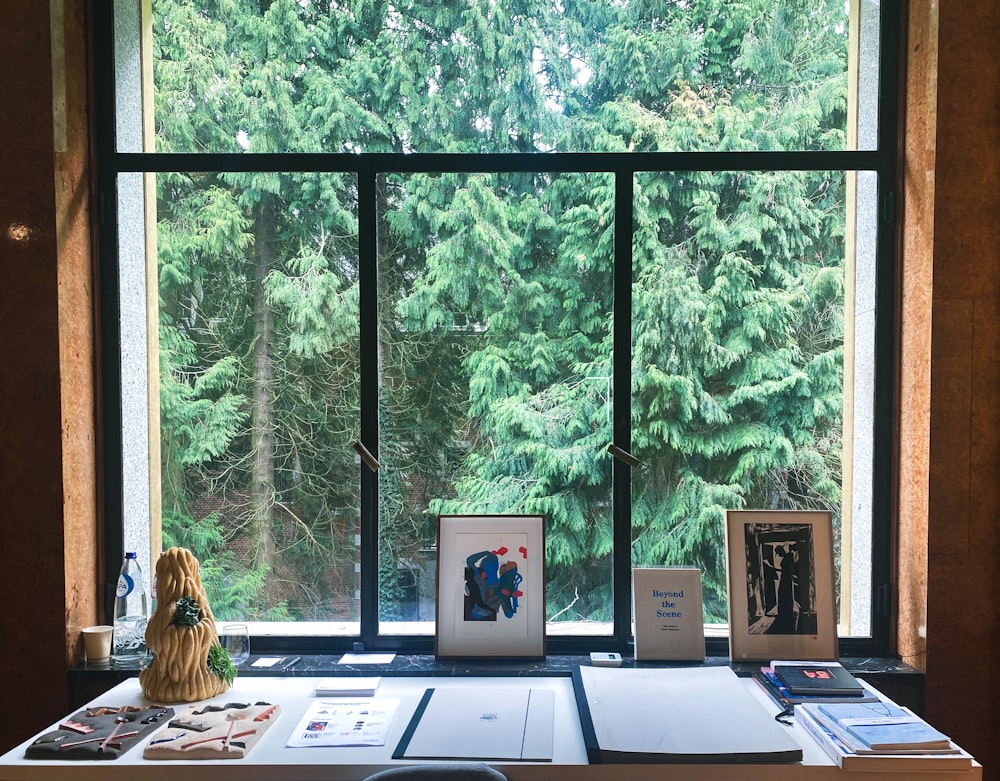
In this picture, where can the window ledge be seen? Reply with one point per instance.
(425, 664)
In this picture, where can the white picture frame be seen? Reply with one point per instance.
(490, 587)
(781, 585)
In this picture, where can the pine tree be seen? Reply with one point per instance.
(495, 319)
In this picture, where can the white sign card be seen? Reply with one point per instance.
(667, 606)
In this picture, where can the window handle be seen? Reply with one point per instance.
(370, 461)
(623, 455)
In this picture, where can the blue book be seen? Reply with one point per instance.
(884, 726)
(841, 753)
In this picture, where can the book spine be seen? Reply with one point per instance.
(836, 730)
(836, 750)
(773, 692)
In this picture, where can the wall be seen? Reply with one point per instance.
(49, 544)
(950, 481)
(963, 518)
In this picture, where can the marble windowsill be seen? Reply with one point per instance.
(408, 664)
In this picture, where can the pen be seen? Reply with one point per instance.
(291, 663)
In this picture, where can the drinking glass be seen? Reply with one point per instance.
(235, 638)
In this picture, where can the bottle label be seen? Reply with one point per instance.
(125, 585)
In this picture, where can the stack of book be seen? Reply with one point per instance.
(791, 683)
(879, 735)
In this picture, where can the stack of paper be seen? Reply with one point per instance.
(689, 715)
(347, 686)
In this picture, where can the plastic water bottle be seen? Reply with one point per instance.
(152, 596)
(131, 612)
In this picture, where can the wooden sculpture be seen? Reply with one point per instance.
(188, 662)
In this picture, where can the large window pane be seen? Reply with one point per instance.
(495, 355)
(462, 322)
(259, 399)
(524, 76)
(743, 345)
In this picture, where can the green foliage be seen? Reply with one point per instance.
(187, 612)
(232, 590)
(220, 665)
(495, 291)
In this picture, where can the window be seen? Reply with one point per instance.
(487, 240)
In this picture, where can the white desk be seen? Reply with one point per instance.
(270, 760)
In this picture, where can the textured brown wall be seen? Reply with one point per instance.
(44, 312)
(73, 193)
(31, 554)
(963, 549)
(915, 341)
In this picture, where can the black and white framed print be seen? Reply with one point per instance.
(781, 585)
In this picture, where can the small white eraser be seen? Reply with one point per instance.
(604, 659)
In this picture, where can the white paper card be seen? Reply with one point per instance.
(380, 658)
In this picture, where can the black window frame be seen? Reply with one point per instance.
(883, 161)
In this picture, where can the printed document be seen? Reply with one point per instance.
(345, 722)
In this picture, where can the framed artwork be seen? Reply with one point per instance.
(490, 586)
(781, 585)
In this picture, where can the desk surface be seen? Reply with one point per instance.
(270, 760)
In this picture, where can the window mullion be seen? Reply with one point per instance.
(622, 404)
(368, 293)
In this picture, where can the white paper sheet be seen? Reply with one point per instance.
(473, 723)
(380, 658)
(345, 722)
(689, 714)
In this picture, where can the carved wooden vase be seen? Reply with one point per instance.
(181, 643)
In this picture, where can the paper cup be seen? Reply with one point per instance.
(97, 643)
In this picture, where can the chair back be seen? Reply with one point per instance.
(443, 771)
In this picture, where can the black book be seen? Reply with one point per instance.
(778, 692)
(817, 678)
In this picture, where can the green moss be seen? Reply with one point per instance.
(220, 665)
(187, 611)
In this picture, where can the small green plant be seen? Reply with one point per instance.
(187, 611)
(220, 665)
